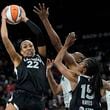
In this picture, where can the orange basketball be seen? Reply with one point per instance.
(13, 14)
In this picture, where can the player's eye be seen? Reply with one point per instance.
(25, 46)
(30, 45)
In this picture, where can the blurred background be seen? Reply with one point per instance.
(90, 20)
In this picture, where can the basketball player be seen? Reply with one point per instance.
(31, 84)
(87, 91)
(65, 85)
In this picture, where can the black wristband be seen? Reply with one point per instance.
(35, 28)
(37, 31)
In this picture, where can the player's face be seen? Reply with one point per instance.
(27, 48)
(83, 67)
(79, 57)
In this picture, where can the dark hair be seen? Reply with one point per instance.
(79, 57)
(93, 70)
(92, 66)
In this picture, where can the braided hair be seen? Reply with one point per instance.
(93, 70)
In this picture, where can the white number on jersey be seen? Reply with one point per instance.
(33, 64)
(85, 92)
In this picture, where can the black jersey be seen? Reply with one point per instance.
(31, 75)
(82, 98)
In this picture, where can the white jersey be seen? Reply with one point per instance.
(66, 86)
(108, 99)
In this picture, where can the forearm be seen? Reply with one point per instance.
(58, 60)
(61, 67)
(37, 31)
(4, 31)
(55, 40)
(34, 28)
(60, 55)
(53, 84)
(4, 34)
(7, 43)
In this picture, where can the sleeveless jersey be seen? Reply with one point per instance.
(82, 98)
(66, 86)
(108, 99)
(31, 75)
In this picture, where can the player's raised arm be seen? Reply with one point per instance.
(43, 14)
(55, 87)
(41, 45)
(69, 73)
(15, 57)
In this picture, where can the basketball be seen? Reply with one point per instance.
(13, 14)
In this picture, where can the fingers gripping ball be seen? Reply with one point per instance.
(13, 14)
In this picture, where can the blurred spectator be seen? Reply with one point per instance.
(2, 104)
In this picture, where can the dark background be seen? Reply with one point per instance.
(90, 20)
(69, 15)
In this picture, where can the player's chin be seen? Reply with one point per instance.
(30, 54)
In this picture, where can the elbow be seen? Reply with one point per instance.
(56, 63)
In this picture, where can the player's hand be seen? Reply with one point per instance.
(49, 63)
(70, 39)
(41, 11)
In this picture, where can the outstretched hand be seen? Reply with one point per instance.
(70, 39)
(41, 11)
(49, 65)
